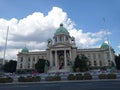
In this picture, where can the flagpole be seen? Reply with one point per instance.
(107, 37)
(5, 45)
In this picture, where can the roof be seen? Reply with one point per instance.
(25, 50)
(61, 30)
(104, 46)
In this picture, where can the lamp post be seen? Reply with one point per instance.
(5, 45)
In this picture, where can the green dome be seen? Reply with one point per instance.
(49, 40)
(104, 46)
(25, 50)
(61, 30)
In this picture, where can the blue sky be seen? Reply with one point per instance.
(87, 15)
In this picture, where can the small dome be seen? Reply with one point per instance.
(49, 40)
(61, 30)
(104, 46)
(25, 50)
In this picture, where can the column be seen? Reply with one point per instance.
(70, 55)
(51, 58)
(65, 61)
(56, 58)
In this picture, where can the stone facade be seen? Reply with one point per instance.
(61, 50)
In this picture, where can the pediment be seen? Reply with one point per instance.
(61, 45)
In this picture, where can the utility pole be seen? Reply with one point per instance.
(5, 46)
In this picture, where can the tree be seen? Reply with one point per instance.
(40, 65)
(10, 66)
(81, 63)
(117, 61)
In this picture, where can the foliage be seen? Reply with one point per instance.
(117, 61)
(107, 76)
(40, 65)
(10, 66)
(81, 63)
(53, 78)
(111, 76)
(87, 76)
(6, 80)
(102, 76)
(71, 77)
(29, 79)
(79, 77)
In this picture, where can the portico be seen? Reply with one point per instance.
(60, 58)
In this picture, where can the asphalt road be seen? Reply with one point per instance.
(85, 85)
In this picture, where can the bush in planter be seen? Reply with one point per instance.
(49, 78)
(57, 78)
(102, 76)
(79, 77)
(36, 79)
(6, 80)
(29, 79)
(111, 76)
(71, 77)
(87, 76)
(53, 78)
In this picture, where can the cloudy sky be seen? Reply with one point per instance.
(32, 22)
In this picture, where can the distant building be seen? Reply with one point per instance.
(61, 50)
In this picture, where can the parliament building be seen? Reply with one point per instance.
(61, 50)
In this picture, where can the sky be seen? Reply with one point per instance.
(32, 22)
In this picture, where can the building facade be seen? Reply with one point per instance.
(61, 50)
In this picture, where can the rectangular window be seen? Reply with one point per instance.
(21, 66)
(21, 59)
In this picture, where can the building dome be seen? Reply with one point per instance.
(49, 40)
(25, 50)
(61, 30)
(104, 46)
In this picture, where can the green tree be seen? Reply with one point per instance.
(81, 63)
(10, 66)
(40, 65)
(117, 61)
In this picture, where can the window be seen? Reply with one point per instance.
(29, 59)
(55, 39)
(66, 38)
(100, 63)
(95, 63)
(21, 66)
(28, 66)
(33, 59)
(60, 38)
(109, 62)
(21, 59)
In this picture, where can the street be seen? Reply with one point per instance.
(85, 85)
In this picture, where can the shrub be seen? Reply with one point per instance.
(87, 76)
(111, 76)
(53, 78)
(29, 79)
(79, 77)
(71, 77)
(6, 80)
(102, 76)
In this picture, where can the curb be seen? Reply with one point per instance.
(65, 81)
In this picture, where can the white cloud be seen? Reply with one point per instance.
(119, 46)
(35, 29)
